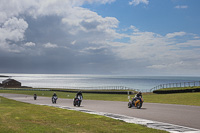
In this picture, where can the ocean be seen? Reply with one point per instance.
(76, 81)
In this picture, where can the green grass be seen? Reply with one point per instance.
(18, 117)
(178, 98)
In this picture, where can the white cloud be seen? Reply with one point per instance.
(11, 32)
(29, 44)
(142, 45)
(190, 43)
(73, 42)
(172, 35)
(50, 45)
(97, 1)
(81, 19)
(196, 37)
(11, 8)
(37, 8)
(133, 28)
(137, 2)
(159, 52)
(15, 29)
(76, 20)
(167, 66)
(92, 33)
(181, 7)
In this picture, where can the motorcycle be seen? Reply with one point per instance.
(54, 99)
(77, 101)
(136, 102)
(35, 96)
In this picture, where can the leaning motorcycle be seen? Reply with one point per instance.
(54, 99)
(77, 101)
(136, 103)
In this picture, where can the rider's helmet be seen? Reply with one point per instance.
(79, 92)
(140, 92)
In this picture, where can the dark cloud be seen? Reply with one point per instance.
(46, 29)
(90, 25)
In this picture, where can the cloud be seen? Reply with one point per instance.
(31, 32)
(133, 28)
(160, 52)
(75, 20)
(36, 8)
(29, 44)
(181, 7)
(137, 2)
(11, 32)
(50, 45)
(172, 35)
(14, 29)
(167, 66)
(97, 1)
(88, 21)
(190, 43)
(144, 45)
(73, 42)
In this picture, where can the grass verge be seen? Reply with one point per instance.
(22, 117)
(176, 98)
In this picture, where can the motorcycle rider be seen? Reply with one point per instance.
(78, 98)
(79, 95)
(54, 95)
(137, 96)
(35, 96)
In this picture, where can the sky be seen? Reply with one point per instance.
(112, 37)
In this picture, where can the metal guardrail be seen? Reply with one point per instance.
(128, 92)
(25, 89)
(173, 85)
(89, 87)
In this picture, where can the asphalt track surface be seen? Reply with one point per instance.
(183, 115)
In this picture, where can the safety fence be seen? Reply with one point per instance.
(24, 89)
(175, 85)
(99, 90)
(89, 87)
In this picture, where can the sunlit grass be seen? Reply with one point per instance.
(176, 98)
(17, 117)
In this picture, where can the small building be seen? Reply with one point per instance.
(11, 83)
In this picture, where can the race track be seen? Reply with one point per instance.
(187, 116)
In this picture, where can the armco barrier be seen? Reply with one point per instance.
(176, 91)
(175, 85)
(98, 92)
(72, 91)
(24, 89)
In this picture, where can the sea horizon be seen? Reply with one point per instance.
(92, 81)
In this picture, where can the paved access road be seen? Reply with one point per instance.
(182, 115)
